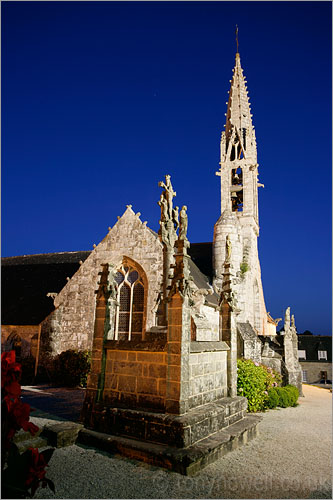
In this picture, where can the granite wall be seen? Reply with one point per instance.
(71, 325)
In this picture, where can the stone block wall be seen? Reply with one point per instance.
(208, 373)
(274, 363)
(243, 232)
(136, 379)
(314, 368)
(72, 322)
(211, 332)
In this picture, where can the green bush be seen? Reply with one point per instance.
(251, 383)
(71, 368)
(273, 378)
(273, 398)
(294, 394)
(288, 396)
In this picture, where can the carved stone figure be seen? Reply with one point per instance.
(175, 217)
(183, 222)
(168, 194)
(228, 248)
(287, 320)
(164, 208)
(112, 282)
(169, 216)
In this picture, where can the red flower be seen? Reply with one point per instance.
(36, 472)
(36, 467)
(13, 389)
(18, 416)
(10, 371)
(8, 357)
(21, 412)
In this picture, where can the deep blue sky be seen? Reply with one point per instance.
(101, 99)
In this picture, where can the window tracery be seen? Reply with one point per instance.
(130, 299)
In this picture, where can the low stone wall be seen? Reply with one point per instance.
(135, 378)
(208, 372)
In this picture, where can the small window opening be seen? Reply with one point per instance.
(237, 189)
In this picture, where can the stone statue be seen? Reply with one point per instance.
(112, 282)
(169, 216)
(228, 249)
(175, 217)
(287, 320)
(164, 208)
(183, 222)
(168, 194)
(293, 321)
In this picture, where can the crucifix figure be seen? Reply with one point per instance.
(168, 194)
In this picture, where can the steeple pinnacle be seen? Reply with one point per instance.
(237, 38)
(239, 115)
(239, 168)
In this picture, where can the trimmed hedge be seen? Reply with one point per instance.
(273, 398)
(283, 396)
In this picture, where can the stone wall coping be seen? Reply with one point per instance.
(161, 346)
(204, 346)
(136, 345)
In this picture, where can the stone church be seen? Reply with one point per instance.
(166, 320)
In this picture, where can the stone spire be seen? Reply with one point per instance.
(238, 163)
(239, 117)
(239, 204)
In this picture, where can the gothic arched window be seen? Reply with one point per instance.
(130, 308)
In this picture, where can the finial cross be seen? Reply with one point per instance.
(237, 37)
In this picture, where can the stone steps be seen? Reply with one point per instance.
(36, 442)
(57, 434)
(25, 440)
(167, 429)
(186, 461)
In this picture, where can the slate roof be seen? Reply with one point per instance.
(202, 256)
(314, 343)
(27, 279)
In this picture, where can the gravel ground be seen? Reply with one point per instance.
(291, 458)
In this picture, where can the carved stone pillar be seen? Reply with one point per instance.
(104, 326)
(168, 225)
(293, 371)
(179, 334)
(228, 326)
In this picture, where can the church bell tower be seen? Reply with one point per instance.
(239, 204)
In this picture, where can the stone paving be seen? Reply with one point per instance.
(291, 458)
(63, 403)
